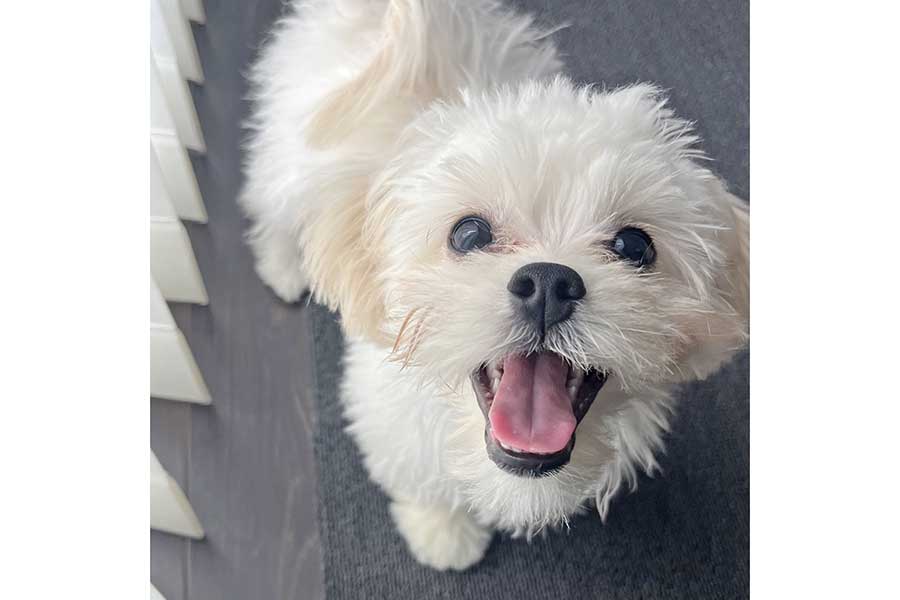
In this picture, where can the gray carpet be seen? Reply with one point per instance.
(682, 535)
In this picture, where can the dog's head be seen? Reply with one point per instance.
(541, 243)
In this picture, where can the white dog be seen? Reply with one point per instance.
(524, 268)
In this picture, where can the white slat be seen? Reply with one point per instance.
(193, 10)
(160, 200)
(154, 593)
(171, 37)
(174, 374)
(161, 120)
(178, 174)
(172, 263)
(172, 159)
(170, 510)
(165, 76)
(160, 316)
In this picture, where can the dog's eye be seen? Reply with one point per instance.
(635, 246)
(470, 233)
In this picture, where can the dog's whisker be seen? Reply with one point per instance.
(403, 326)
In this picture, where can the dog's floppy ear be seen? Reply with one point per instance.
(340, 251)
(397, 69)
(341, 257)
(717, 337)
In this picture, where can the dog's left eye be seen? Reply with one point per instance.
(635, 246)
(470, 233)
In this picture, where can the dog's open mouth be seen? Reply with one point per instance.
(532, 405)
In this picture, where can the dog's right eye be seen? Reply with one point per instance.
(470, 233)
(635, 246)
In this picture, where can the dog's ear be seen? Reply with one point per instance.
(397, 69)
(716, 337)
(341, 257)
(340, 251)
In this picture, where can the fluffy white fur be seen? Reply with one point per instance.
(377, 125)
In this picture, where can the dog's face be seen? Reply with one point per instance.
(533, 247)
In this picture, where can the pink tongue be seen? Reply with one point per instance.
(531, 410)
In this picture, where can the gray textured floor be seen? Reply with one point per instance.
(246, 462)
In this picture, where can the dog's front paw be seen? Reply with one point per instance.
(441, 538)
(286, 278)
(278, 263)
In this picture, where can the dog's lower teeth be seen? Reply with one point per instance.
(576, 378)
(510, 448)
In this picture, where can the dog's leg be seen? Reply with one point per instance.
(278, 262)
(439, 537)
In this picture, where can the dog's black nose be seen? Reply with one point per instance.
(546, 293)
